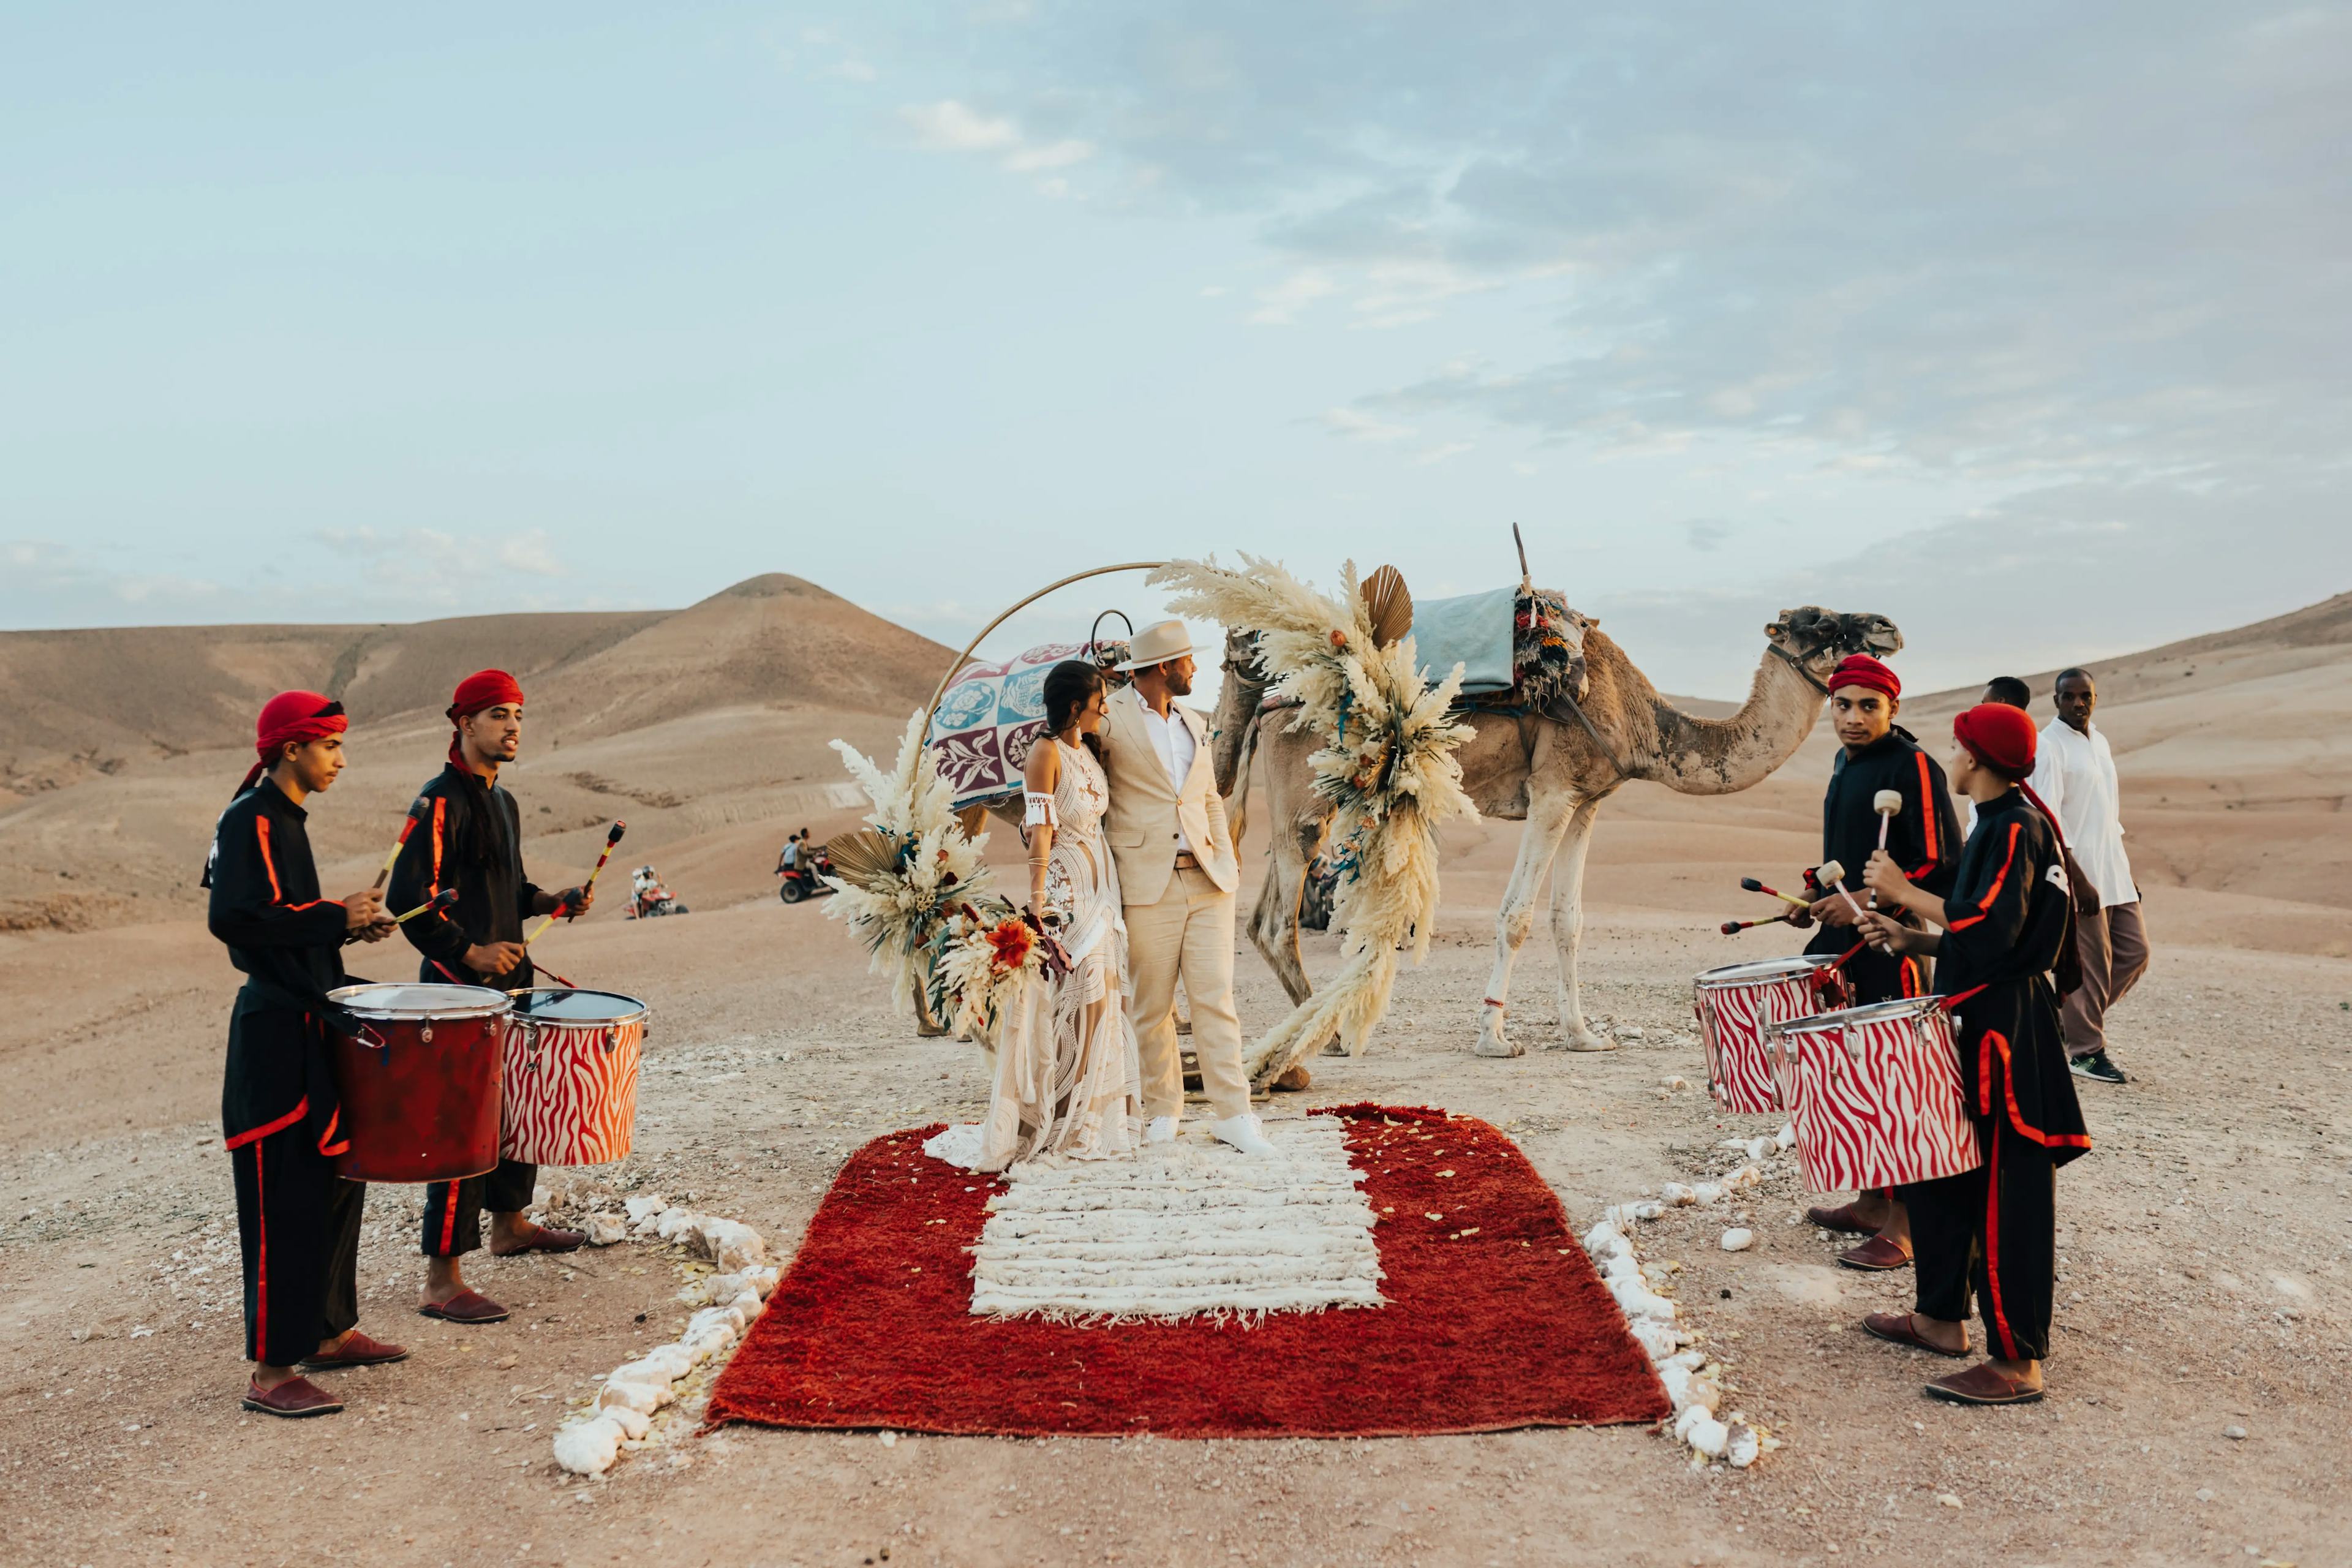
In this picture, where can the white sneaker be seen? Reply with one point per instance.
(1243, 1133)
(1162, 1130)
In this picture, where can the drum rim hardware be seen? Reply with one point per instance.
(1795, 966)
(349, 998)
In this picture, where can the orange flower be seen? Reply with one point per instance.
(1338, 638)
(1010, 941)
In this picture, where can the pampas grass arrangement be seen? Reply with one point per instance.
(1387, 765)
(899, 881)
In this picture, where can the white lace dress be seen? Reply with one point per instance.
(1068, 1085)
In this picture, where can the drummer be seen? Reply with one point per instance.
(1923, 839)
(474, 844)
(2007, 922)
(297, 1223)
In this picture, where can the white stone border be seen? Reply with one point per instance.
(622, 1415)
(1693, 1378)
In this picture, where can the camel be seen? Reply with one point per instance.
(1553, 773)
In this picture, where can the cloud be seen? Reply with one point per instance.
(1359, 425)
(47, 584)
(1279, 305)
(949, 126)
(438, 566)
(1051, 155)
(2090, 252)
(1707, 534)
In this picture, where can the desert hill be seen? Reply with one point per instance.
(117, 748)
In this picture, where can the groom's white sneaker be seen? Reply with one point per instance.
(1162, 1130)
(1243, 1133)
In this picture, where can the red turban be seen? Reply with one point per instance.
(483, 689)
(292, 716)
(2000, 737)
(1861, 669)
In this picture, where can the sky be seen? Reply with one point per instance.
(2025, 325)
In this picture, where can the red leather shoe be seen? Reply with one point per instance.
(357, 1350)
(1839, 1218)
(544, 1238)
(464, 1307)
(1897, 1329)
(1875, 1255)
(294, 1399)
(1980, 1385)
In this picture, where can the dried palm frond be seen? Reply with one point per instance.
(866, 857)
(1388, 605)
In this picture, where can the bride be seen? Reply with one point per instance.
(1068, 1085)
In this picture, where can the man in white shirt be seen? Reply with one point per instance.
(1177, 874)
(2074, 774)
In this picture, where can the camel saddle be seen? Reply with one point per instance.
(1520, 650)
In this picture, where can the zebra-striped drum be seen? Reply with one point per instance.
(571, 1076)
(1736, 1004)
(1875, 1096)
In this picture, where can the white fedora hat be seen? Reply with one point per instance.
(1157, 644)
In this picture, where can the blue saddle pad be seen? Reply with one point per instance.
(1473, 630)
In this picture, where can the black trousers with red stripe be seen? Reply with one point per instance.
(1993, 1229)
(299, 1226)
(453, 1210)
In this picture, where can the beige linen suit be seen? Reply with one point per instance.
(1180, 922)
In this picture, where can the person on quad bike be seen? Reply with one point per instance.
(647, 897)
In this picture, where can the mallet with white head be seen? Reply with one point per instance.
(1889, 804)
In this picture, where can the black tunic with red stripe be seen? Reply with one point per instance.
(287, 942)
(2008, 918)
(1923, 839)
(457, 845)
(297, 1223)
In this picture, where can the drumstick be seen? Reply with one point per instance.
(611, 838)
(1889, 804)
(440, 900)
(1833, 875)
(1753, 885)
(1732, 927)
(408, 824)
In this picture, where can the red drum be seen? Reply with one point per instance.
(571, 1076)
(1875, 1095)
(419, 1083)
(1736, 1004)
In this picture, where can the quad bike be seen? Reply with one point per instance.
(805, 880)
(649, 898)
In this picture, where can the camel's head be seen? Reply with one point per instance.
(1817, 638)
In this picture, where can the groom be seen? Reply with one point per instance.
(1177, 873)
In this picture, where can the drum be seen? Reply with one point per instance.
(571, 1076)
(419, 1082)
(1736, 1004)
(1875, 1095)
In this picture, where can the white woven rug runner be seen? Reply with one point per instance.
(1189, 1228)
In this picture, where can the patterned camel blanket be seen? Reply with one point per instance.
(991, 715)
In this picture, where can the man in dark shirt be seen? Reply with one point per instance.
(1923, 839)
(297, 1223)
(473, 843)
(2007, 923)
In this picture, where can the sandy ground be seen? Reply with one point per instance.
(2205, 1248)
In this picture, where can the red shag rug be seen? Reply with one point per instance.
(1495, 1318)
